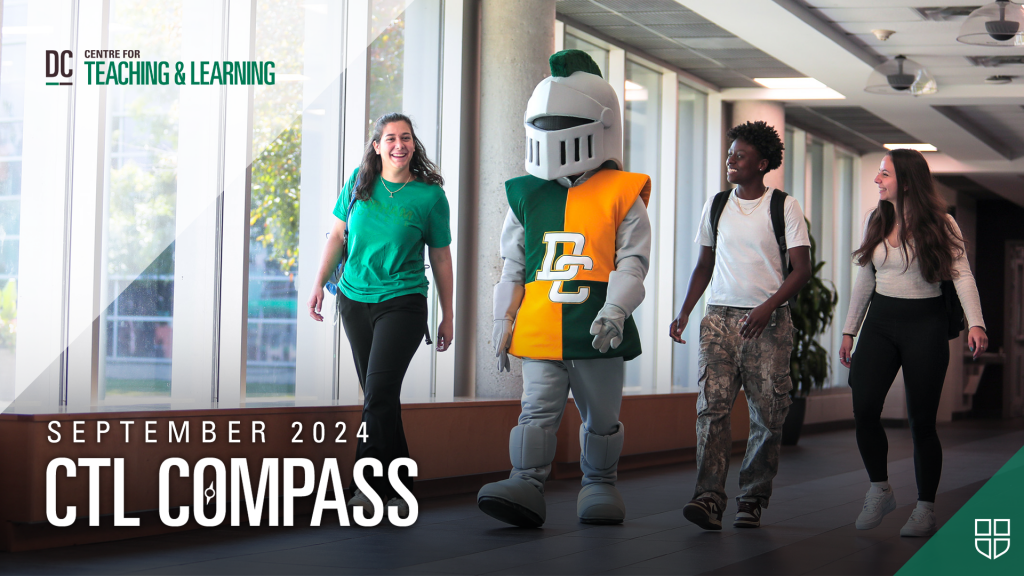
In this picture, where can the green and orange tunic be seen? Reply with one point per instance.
(570, 252)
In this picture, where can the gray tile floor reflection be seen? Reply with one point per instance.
(807, 530)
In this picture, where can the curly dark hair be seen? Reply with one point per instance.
(762, 137)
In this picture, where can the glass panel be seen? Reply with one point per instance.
(690, 162)
(12, 95)
(787, 162)
(844, 264)
(816, 156)
(274, 216)
(403, 76)
(641, 148)
(139, 221)
(600, 55)
(386, 51)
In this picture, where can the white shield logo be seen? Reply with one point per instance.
(992, 537)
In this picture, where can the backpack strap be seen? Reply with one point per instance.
(717, 207)
(777, 208)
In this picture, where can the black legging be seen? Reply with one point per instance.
(909, 333)
(383, 337)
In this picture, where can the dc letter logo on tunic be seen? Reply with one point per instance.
(564, 267)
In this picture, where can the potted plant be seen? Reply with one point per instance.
(809, 365)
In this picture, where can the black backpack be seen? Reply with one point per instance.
(776, 208)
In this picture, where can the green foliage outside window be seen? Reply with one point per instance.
(274, 215)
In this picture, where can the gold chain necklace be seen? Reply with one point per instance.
(739, 206)
(390, 191)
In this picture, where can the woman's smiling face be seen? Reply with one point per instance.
(396, 146)
(886, 180)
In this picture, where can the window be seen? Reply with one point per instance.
(641, 151)
(844, 261)
(273, 302)
(600, 55)
(12, 104)
(403, 75)
(140, 188)
(690, 167)
(816, 159)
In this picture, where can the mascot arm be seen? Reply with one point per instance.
(626, 283)
(509, 291)
(513, 250)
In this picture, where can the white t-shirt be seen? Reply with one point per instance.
(748, 267)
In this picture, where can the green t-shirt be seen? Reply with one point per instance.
(386, 236)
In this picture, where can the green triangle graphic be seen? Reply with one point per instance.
(952, 549)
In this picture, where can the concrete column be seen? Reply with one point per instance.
(774, 113)
(516, 39)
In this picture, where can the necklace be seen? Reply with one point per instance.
(754, 209)
(390, 191)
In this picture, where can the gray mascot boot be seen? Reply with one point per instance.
(600, 502)
(517, 501)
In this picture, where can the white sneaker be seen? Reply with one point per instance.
(402, 505)
(876, 505)
(360, 499)
(920, 525)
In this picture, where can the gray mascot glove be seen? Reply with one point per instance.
(607, 327)
(625, 293)
(508, 296)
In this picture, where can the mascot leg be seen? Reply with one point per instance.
(520, 499)
(597, 390)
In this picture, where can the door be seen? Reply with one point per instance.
(1013, 373)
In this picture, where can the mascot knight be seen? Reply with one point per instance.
(576, 248)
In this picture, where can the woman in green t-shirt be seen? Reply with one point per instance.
(397, 209)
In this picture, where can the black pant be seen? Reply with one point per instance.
(383, 337)
(912, 334)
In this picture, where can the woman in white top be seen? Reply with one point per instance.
(910, 245)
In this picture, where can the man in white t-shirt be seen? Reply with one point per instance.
(746, 336)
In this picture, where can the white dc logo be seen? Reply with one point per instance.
(992, 537)
(565, 267)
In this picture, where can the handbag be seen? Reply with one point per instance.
(954, 310)
(332, 282)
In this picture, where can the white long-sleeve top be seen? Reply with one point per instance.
(889, 278)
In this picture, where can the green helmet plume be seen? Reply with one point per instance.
(566, 62)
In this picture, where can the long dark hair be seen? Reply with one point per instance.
(421, 168)
(922, 215)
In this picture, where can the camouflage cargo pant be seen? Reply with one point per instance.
(761, 367)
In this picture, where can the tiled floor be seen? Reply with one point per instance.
(807, 530)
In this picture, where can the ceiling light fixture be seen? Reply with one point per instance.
(882, 34)
(790, 83)
(920, 147)
(1000, 23)
(901, 76)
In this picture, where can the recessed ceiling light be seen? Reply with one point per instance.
(789, 83)
(919, 147)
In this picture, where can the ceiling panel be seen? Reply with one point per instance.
(999, 127)
(667, 30)
(647, 18)
(627, 6)
(917, 27)
(850, 125)
(579, 7)
(842, 15)
(716, 43)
